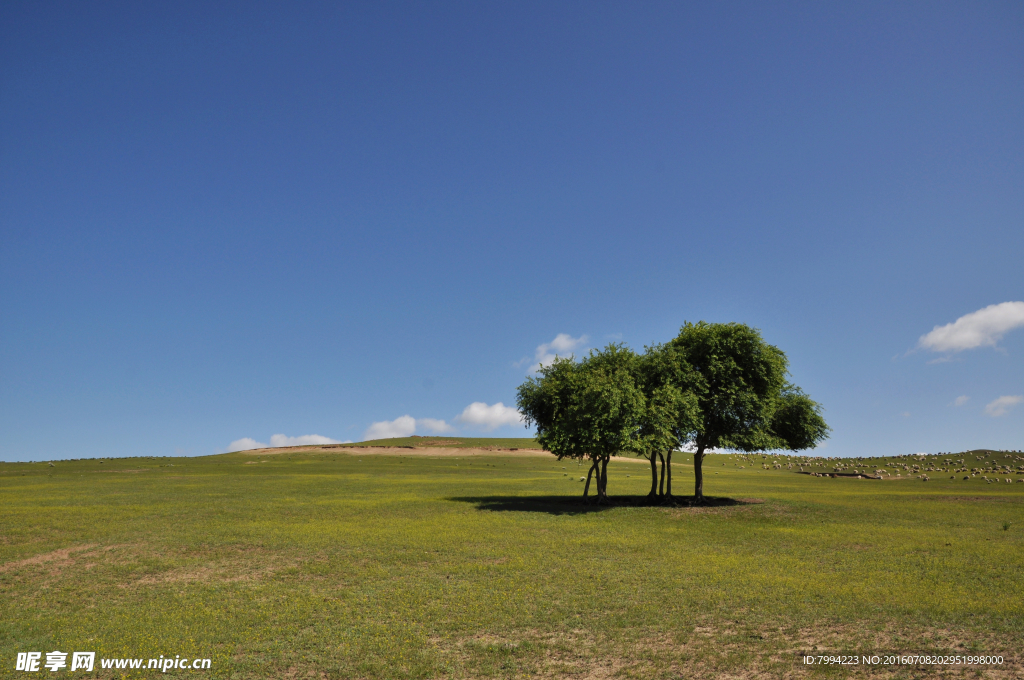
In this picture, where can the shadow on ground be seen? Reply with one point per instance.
(574, 505)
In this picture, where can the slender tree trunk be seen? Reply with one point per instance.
(668, 464)
(661, 486)
(604, 479)
(653, 475)
(698, 474)
(586, 488)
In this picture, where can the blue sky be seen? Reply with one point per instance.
(232, 221)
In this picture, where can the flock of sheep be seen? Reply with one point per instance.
(905, 465)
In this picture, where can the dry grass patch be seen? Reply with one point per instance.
(58, 559)
(244, 565)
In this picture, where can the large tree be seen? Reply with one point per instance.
(743, 397)
(588, 410)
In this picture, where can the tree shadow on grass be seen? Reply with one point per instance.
(574, 505)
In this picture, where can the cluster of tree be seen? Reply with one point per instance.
(715, 386)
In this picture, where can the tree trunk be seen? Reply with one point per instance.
(698, 474)
(586, 489)
(661, 485)
(668, 464)
(604, 480)
(653, 475)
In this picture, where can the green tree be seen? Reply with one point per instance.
(743, 397)
(670, 412)
(588, 410)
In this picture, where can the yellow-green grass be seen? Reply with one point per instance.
(328, 564)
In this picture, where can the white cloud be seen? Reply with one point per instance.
(983, 328)
(961, 400)
(403, 426)
(999, 407)
(562, 345)
(484, 417)
(434, 425)
(279, 440)
(244, 444)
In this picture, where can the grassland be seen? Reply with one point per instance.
(330, 565)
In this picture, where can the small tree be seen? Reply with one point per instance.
(670, 413)
(743, 398)
(586, 411)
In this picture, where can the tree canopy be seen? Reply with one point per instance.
(587, 410)
(743, 397)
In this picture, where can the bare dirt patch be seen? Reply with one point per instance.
(731, 649)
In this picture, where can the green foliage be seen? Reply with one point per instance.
(673, 411)
(745, 402)
(796, 423)
(587, 410)
(736, 377)
(548, 402)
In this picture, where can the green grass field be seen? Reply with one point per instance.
(331, 565)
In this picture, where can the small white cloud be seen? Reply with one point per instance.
(481, 416)
(999, 407)
(434, 425)
(905, 414)
(983, 328)
(279, 440)
(961, 400)
(563, 345)
(244, 444)
(403, 426)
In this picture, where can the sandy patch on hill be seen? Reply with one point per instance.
(431, 452)
(441, 452)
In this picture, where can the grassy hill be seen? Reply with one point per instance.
(456, 442)
(337, 565)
